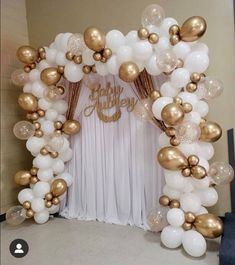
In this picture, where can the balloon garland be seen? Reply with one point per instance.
(159, 46)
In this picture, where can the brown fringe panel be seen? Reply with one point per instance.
(73, 96)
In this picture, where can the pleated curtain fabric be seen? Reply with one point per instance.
(116, 177)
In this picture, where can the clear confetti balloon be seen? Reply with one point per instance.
(56, 142)
(152, 15)
(143, 110)
(166, 61)
(213, 87)
(15, 215)
(156, 218)
(52, 93)
(19, 77)
(221, 173)
(188, 132)
(76, 44)
(23, 130)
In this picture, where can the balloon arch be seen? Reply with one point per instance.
(160, 46)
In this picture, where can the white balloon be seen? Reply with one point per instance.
(87, 57)
(67, 178)
(190, 202)
(38, 88)
(34, 75)
(175, 217)
(201, 183)
(188, 97)
(65, 146)
(51, 114)
(151, 65)
(61, 59)
(60, 106)
(101, 68)
(124, 54)
(159, 104)
(203, 162)
(171, 236)
(163, 140)
(40, 189)
(131, 37)
(194, 243)
(43, 65)
(43, 162)
(200, 47)
(196, 62)
(61, 118)
(47, 127)
(202, 210)
(73, 72)
(115, 39)
(180, 77)
(54, 209)
(205, 150)
(174, 179)
(113, 65)
(27, 88)
(41, 217)
(188, 186)
(172, 193)
(167, 90)
(44, 104)
(192, 116)
(167, 23)
(187, 149)
(51, 55)
(181, 49)
(63, 43)
(209, 196)
(67, 155)
(142, 50)
(34, 144)
(38, 205)
(58, 166)
(45, 174)
(25, 195)
(202, 108)
(163, 44)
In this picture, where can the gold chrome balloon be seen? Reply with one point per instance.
(107, 53)
(27, 54)
(50, 76)
(27, 205)
(94, 39)
(198, 172)
(172, 158)
(210, 131)
(153, 38)
(164, 200)
(28, 102)
(174, 204)
(33, 171)
(186, 172)
(128, 71)
(29, 213)
(155, 94)
(172, 114)
(193, 29)
(22, 177)
(190, 217)
(71, 127)
(143, 33)
(58, 187)
(48, 196)
(187, 226)
(55, 201)
(193, 160)
(209, 225)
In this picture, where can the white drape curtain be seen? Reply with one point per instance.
(116, 178)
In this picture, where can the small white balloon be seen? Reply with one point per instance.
(87, 57)
(51, 55)
(115, 39)
(192, 116)
(196, 62)
(41, 217)
(51, 114)
(151, 65)
(142, 50)
(202, 210)
(43, 162)
(101, 68)
(163, 44)
(201, 183)
(61, 118)
(47, 127)
(205, 150)
(67, 155)
(40, 189)
(27, 88)
(202, 108)
(25, 195)
(181, 49)
(188, 97)
(159, 104)
(43, 65)
(200, 47)
(194, 243)
(34, 75)
(67, 178)
(172, 193)
(54, 209)
(208, 197)
(190, 202)
(124, 54)
(180, 77)
(168, 90)
(188, 186)
(187, 149)
(61, 106)
(65, 146)
(38, 205)
(131, 37)
(167, 23)
(113, 65)
(34, 144)
(45, 174)
(175, 217)
(61, 59)
(38, 88)
(44, 104)
(174, 179)
(73, 72)
(58, 166)
(171, 236)
(203, 162)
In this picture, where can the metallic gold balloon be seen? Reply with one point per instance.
(172, 114)
(71, 127)
(193, 160)
(50, 76)
(198, 172)
(210, 131)
(187, 107)
(178, 100)
(34, 180)
(187, 226)
(22, 177)
(107, 53)
(27, 205)
(58, 124)
(55, 201)
(94, 39)
(172, 158)
(193, 29)
(174, 30)
(48, 204)
(186, 172)
(29, 213)
(28, 102)
(33, 171)
(174, 204)
(174, 141)
(209, 225)
(164, 200)
(48, 196)
(191, 87)
(155, 94)
(153, 38)
(27, 54)
(170, 131)
(195, 77)
(190, 217)
(44, 151)
(54, 154)
(143, 33)
(128, 71)
(58, 187)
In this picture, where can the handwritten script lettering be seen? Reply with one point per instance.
(106, 98)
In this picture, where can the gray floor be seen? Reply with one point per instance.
(72, 242)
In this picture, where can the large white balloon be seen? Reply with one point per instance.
(205, 150)
(43, 162)
(34, 144)
(194, 243)
(171, 236)
(181, 49)
(25, 195)
(168, 90)
(190, 202)
(87, 57)
(196, 62)
(34, 75)
(44, 104)
(208, 197)
(61, 59)
(175, 217)
(58, 166)
(180, 77)
(202, 108)
(163, 44)
(172, 193)
(174, 179)
(51, 114)
(201, 183)
(202, 210)
(47, 127)
(67, 155)
(41, 217)
(41, 188)
(188, 97)
(124, 54)
(131, 37)
(115, 39)
(38, 88)
(101, 68)
(113, 65)
(65, 146)
(73, 72)
(159, 104)
(60, 106)
(67, 177)
(38, 205)
(142, 50)
(45, 174)
(187, 149)
(151, 66)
